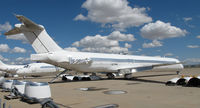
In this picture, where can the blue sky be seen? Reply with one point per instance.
(142, 27)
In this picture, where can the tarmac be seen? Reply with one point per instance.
(144, 90)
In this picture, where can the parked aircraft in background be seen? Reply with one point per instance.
(49, 52)
(33, 69)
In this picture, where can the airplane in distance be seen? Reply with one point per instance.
(111, 64)
(32, 69)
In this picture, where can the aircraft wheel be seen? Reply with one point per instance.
(64, 78)
(75, 79)
(177, 72)
(110, 76)
(128, 76)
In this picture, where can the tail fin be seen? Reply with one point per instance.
(36, 35)
(1, 63)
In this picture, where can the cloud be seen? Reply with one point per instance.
(187, 19)
(155, 43)
(116, 13)
(105, 44)
(160, 30)
(74, 49)
(168, 54)
(192, 61)
(19, 50)
(116, 35)
(21, 60)
(127, 45)
(18, 37)
(4, 48)
(96, 41)
(5, 27)
(80, 17)
(115, 49)
(3, 59)
(198, 36)
(193, 46)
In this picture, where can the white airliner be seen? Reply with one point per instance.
(32, 69)
(49, 52)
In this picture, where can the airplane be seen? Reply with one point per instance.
(49, 52)
(32, 69)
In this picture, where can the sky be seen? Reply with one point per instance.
(169, 28)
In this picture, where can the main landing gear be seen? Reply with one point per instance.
(128, 76)
(110, 76)
(177, 72)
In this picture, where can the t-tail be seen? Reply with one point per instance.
(3, 66)
(35, 34)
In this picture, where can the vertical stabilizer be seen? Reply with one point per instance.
(35, 34)
(1, 63)
(3, 66)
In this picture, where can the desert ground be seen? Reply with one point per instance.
(144, 90)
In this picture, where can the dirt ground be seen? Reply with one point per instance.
(145, 90)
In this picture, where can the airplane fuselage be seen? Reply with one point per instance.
(98, 62)
(38, 69)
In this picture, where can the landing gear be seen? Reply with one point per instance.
(110, 76)
(58, 76)
(128, 76)
(177, 72)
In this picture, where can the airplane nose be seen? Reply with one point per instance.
(181, 66)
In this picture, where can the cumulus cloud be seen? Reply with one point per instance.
(3, 58)
(168, 54)
(5, 27)
(18, 37)
(116, 49)
(74, 49)
(127, 45)
(154, 43)
(160, 30)
(116, 35)
(19, 50)
(21, 60)
(192, 61)
(116, 13)
(198, 36)
(96, 41)
(4, 48)
(187, 19)
(80, 17)
(105, 44)
(193, 46)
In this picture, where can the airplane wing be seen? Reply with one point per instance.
(144, 68)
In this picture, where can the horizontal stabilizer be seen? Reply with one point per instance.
(35, 34)
(28, 23)
(13, 31)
